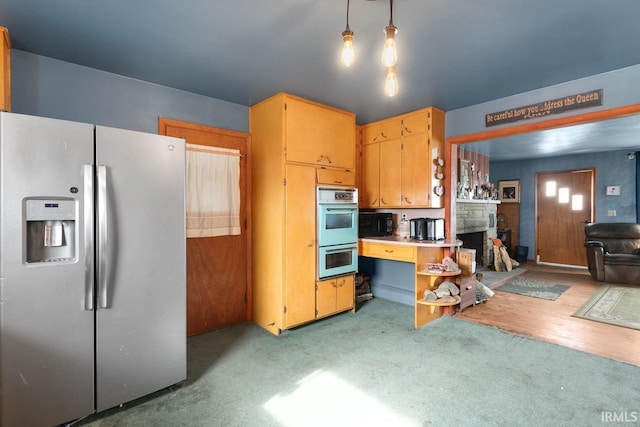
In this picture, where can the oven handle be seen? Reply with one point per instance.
(340, 249)
(342, 209)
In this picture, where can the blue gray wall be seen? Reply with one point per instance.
(620, 88)
(47, 87)
(612, 168)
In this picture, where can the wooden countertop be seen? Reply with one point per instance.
(395, 240)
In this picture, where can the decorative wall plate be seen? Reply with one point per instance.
(440, 161)
(439, 190)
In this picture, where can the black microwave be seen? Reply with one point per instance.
(374, 224)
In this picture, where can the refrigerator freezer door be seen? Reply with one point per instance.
(141, 313)
(46, 320)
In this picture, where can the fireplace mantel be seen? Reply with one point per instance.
(497, 202)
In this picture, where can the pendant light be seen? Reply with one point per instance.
(391, 84)
(348, 55)
(389, 54)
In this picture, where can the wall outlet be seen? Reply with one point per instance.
(611, 212)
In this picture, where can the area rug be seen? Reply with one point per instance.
(616, 305)
(534, 288)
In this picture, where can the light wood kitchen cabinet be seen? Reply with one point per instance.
(335, 295)
(382, 130)
(317, 134)
(369, 191)
(5, 71)
(284, 179)
(300, 245)
(406, 168)
(390, 173)
(345, 177)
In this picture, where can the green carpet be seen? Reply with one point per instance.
(533, 288)
(373, 369)
(616, 305)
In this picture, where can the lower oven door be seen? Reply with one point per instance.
(337, 259)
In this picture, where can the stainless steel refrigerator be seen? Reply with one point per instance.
(92, 268)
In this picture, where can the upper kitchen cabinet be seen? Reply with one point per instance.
(317, 134)
(382, 130)
(5, 71)
(399, 161)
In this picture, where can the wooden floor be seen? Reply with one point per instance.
(551, 321)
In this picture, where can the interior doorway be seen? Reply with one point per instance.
(564, 203)
(218, 268)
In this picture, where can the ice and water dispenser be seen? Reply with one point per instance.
(50, 230)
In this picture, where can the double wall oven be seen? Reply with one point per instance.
(337, 221)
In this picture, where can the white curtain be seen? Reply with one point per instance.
(213, 191)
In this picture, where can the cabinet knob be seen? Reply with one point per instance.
(407, 200)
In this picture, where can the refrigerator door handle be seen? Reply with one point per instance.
(87, 171)
(103, 279)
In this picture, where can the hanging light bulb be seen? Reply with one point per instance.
(391, 84)
(348, 55)
(389, 54)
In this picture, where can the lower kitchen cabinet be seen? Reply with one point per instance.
(335, 295)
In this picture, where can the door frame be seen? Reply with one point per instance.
(163, 123)
(451, 145)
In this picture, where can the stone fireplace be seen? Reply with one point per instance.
(475, 224)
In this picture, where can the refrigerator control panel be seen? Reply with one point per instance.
(50, 209)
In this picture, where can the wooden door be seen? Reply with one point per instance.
(370, 185)
(218, 268)
(300, 246)
(415, 171)
(564, 202)
(390, 173)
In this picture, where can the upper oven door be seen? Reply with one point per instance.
(337, 224)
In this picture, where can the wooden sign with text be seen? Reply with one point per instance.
(546, 108)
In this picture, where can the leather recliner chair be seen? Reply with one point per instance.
(613, 252)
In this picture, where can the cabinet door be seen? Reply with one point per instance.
(416, 171)
(345, 293)
(319, 135)
(390, 173)
(370, 185)
(415, 123)
(325, 298)
(5, 70)
(336, 176)
(300, 251)
(383, 130)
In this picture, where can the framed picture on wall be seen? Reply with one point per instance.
(509, 191)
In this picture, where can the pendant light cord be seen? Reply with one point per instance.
(348, 15)
(390, 12)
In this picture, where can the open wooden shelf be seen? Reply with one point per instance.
(440, 303)
(438, 273)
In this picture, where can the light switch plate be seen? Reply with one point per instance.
(613, 190)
